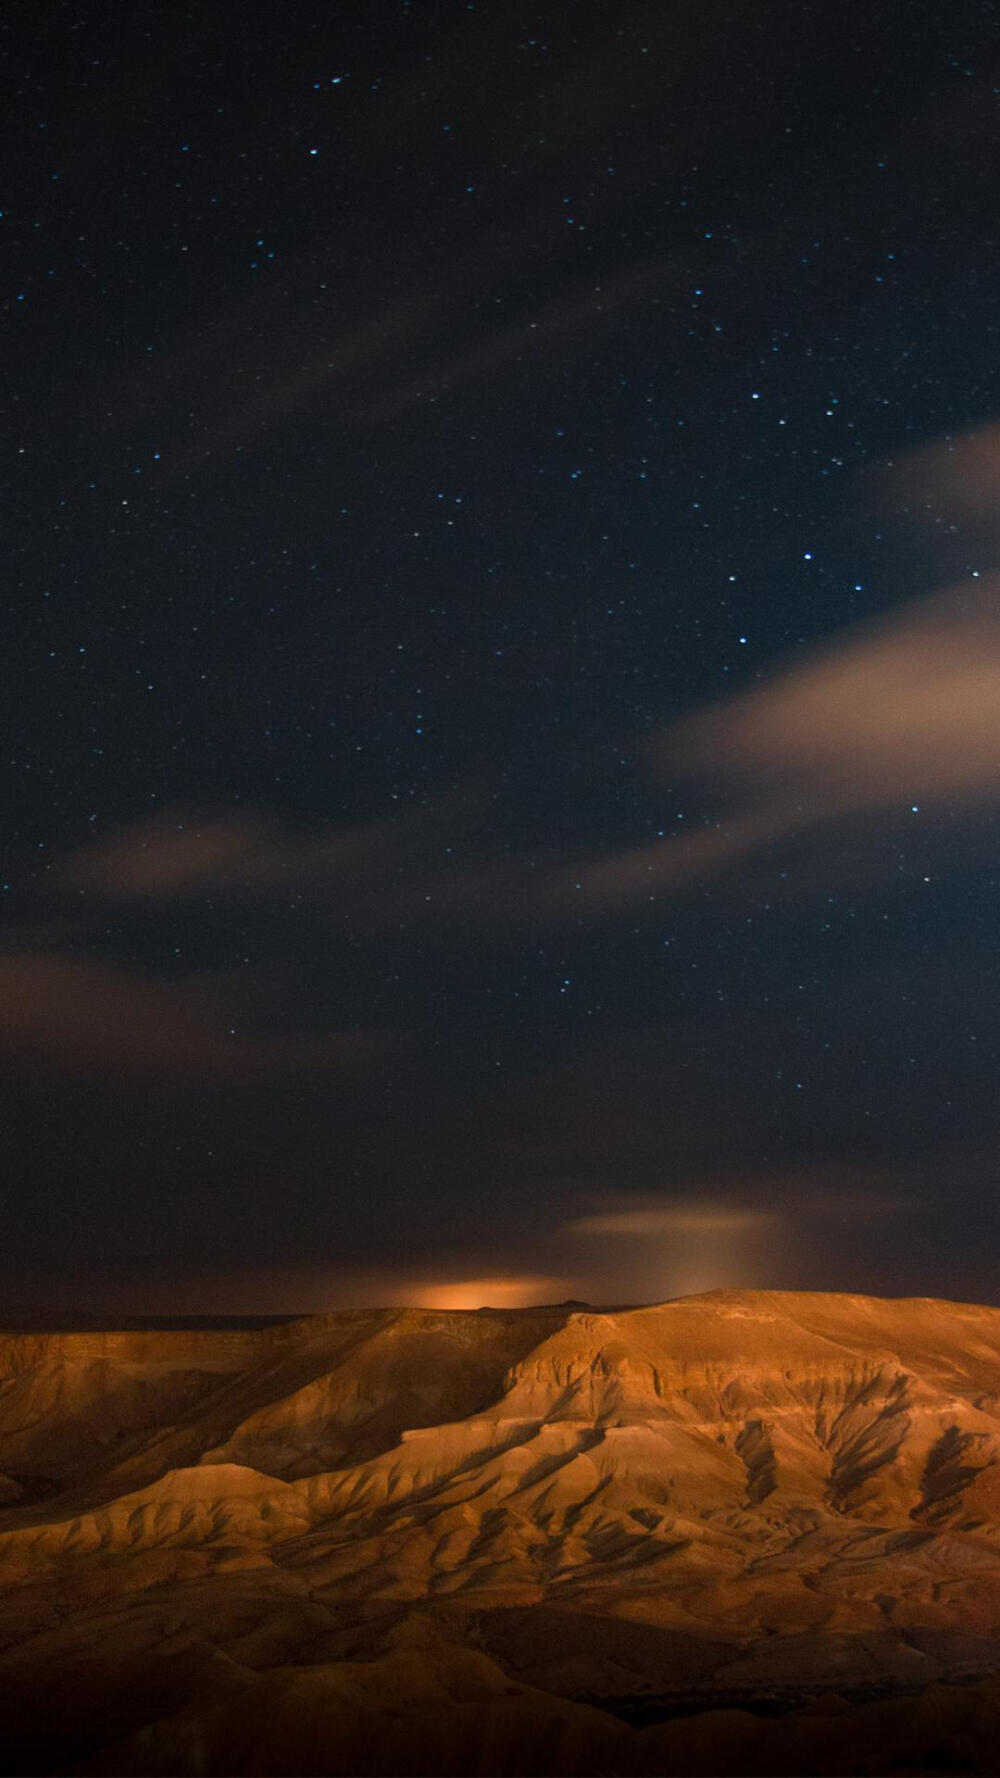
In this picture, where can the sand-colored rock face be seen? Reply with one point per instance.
(360, 1542)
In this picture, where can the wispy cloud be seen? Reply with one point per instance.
(901, 714)
(170, 856)
(185, 853)
(903, 709)
(953, 480)
(694, 1218)
(98, 1018)
(395, 324)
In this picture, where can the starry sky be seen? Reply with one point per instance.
(501, 667)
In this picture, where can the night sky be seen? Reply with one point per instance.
(501, 662)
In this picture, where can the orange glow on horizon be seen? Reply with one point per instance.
(493, 1293)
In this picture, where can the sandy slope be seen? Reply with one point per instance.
(364, 1541)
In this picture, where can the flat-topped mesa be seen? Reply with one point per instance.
(734, 1344)
(849, 1402)
(119, 1407)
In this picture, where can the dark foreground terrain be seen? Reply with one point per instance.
(746, 1532)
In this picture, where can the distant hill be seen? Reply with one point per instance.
(36, 1318)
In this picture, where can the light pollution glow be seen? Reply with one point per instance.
(494, 1293)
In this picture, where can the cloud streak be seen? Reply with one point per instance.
(955, 479)
(903, 709)
(98, 1018)
(696, 1218)
(895, 715)
(183, 854)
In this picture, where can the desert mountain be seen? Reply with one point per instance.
(531, 1541)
